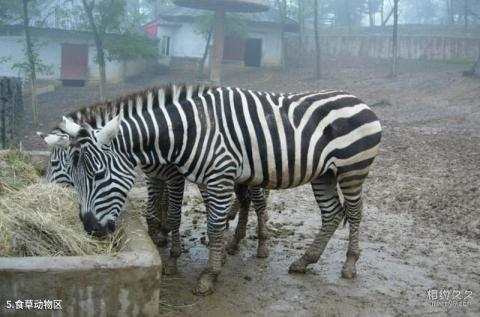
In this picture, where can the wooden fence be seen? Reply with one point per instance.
(11, 109)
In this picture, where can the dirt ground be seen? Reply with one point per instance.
(421, 221)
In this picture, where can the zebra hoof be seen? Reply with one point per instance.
(160, 241)
(349, 271)
(224, 257)
(232, 248)
(298, 266)
(262, 252)
(170, 267)
(205, 285)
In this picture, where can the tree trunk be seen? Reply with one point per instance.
(216, 57)
(317, 40)
(475, 70)
(476, 67)
(389, 15)
(371, 14)
(282, 7)
(99, 47)
(31, 63)
(465, 14)
(393, 72)
(349, 15)
(449, 12)
(101, 67)
(201, 67)
(381, 11)
(301, 24)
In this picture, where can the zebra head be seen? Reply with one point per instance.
(101, 176)
(58, 162)
(58, 169)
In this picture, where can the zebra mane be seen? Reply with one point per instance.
(101, 112)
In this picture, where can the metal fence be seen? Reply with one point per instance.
(11, 109)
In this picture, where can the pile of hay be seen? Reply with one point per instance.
(16, 172)
(42, 219)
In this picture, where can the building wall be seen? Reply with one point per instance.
(187, 43)
(50, 54)
(271, 37)
(13, 49)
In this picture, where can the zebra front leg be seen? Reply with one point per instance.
(176, 188)
(259, 199)
(219, 201)
(204, 193)
(241, 229)
(326, 195)
(352, 193)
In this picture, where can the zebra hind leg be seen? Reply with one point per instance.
(241, 229)
(326, 195)
(259, 199)
(351, 188)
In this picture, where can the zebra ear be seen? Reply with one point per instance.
(70, 127)
(54, 140)
(109, 131)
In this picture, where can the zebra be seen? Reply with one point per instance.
(157, 205)
(221, 136)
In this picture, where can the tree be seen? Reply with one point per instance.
(282, 9)
(116, 34)
(317, 41)
(31, 66)
(394, 70)
(101, 16)
(301, 24)
(465, 13)
(235, 27)
(475, 69)
(31, 62)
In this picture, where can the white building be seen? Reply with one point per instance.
(179, 37)
(70, 55)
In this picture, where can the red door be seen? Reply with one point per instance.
(74, 61)
(233, 49)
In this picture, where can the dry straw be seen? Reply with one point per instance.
(16, 172)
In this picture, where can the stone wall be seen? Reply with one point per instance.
(379, 46)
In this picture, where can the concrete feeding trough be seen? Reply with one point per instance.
(125, 284)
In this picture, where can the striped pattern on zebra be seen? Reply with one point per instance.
(159, 223)
(221, 136)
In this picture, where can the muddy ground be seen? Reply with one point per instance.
(421, 223)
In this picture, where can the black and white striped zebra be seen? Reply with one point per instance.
(159, 223)
(218, 137)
